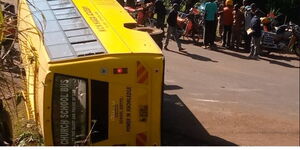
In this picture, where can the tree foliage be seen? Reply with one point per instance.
(289, 8)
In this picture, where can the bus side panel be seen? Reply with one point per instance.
(156, 104)
(35, 61)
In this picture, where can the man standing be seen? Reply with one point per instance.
(160, 10)
(172, 27)
(237, 28)
(227, 23)
(256, 34)
(210, 17)
(248, 16)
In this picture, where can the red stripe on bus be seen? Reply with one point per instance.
(140, 70)
(141, 139)
(143, 78)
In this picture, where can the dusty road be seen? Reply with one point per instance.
(220, 97)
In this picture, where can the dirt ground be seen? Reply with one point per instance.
(250, 128)
(245, 102)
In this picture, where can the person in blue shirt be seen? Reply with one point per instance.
(210, 20)
(248, 16)
(256, 34)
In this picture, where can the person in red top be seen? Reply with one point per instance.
(227, 23)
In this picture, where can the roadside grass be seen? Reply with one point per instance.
(25, 132)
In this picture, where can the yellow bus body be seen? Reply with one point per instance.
(132, 67)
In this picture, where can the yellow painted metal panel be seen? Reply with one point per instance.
(107, 19)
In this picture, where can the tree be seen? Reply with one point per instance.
(289, 8)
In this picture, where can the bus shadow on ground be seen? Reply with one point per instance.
(181, 128)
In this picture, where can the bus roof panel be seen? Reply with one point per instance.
(54, 38)
(64, 11)
(66, 34)
(79, 32)
(51, 26)
(68, 16)
(61, 51)
(39, 6)
(39, 15)
(88, 28)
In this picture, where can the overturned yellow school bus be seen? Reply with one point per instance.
(90, 80)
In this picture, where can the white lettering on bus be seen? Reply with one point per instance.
(128, 109)
(64, 132)
(64, 113)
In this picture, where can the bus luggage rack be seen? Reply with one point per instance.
(66, 33)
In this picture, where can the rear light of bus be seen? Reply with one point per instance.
(120, 70)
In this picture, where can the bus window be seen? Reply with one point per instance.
(99, 110)
(69, 111)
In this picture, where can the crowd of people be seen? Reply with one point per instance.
(235, 23)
